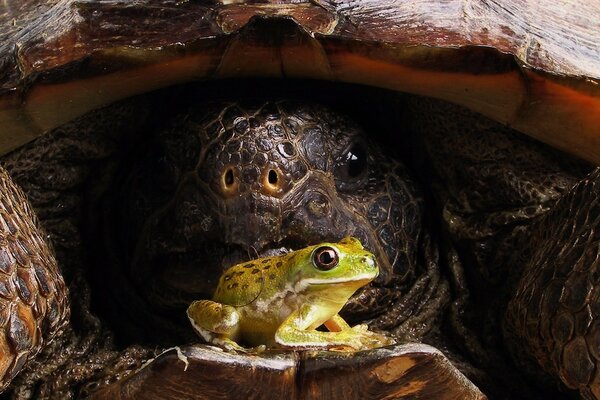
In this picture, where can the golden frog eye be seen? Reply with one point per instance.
(325, 258)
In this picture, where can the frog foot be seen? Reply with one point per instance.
(234, 348)
(366, 339)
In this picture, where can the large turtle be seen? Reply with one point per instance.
(143, 203)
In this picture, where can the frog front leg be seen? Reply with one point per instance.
(298, 331)
(215, 322)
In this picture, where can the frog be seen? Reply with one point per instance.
(280, 301)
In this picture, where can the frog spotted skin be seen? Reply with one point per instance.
(280, 301)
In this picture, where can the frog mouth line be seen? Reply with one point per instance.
(306, 283)
(358, 278)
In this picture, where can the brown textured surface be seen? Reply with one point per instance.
(33, 298)
(556, 311)
(203, 372)
(494, 188)
(54, 169)
(401, 372)
(493, 179)
(537, 72)
(531, 193)
(413, 371)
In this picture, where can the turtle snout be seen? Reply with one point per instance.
(270, 180)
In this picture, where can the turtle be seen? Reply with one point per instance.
(504, 283)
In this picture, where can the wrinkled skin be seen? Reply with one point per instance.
(168, 202)
(524, 217)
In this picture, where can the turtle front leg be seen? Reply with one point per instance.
(34, 304)
(555, 313)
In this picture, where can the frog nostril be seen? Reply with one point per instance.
(369, 261)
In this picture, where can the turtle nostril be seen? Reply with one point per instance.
(272, 177)
(229, 182)
(272, 182)
(228, 178)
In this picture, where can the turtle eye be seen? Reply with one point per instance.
(353, 163)
(325, 258)
(356, 161)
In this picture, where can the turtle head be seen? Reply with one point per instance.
(260, 180)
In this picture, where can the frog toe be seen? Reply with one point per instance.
(370, 340)
(229, 345)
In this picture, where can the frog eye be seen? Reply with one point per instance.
(325, 258)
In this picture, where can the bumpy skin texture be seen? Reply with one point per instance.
(489, 179)
(33, 298)
(555, 313)
(178, 199)
(525, 219)
(52, 172)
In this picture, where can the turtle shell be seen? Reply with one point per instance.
(533, 66)
(405, 372)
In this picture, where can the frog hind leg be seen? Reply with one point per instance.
(215, 322)
(336, 324)
(296, 332)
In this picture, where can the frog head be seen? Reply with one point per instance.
(335, 270)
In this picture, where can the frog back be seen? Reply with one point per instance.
(244, 283)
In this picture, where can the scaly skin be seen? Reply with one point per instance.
(555, 314)
(52, 171)
(34, 306)
(527, 218)
(235, 181)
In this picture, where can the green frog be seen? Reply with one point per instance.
(281, 301)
